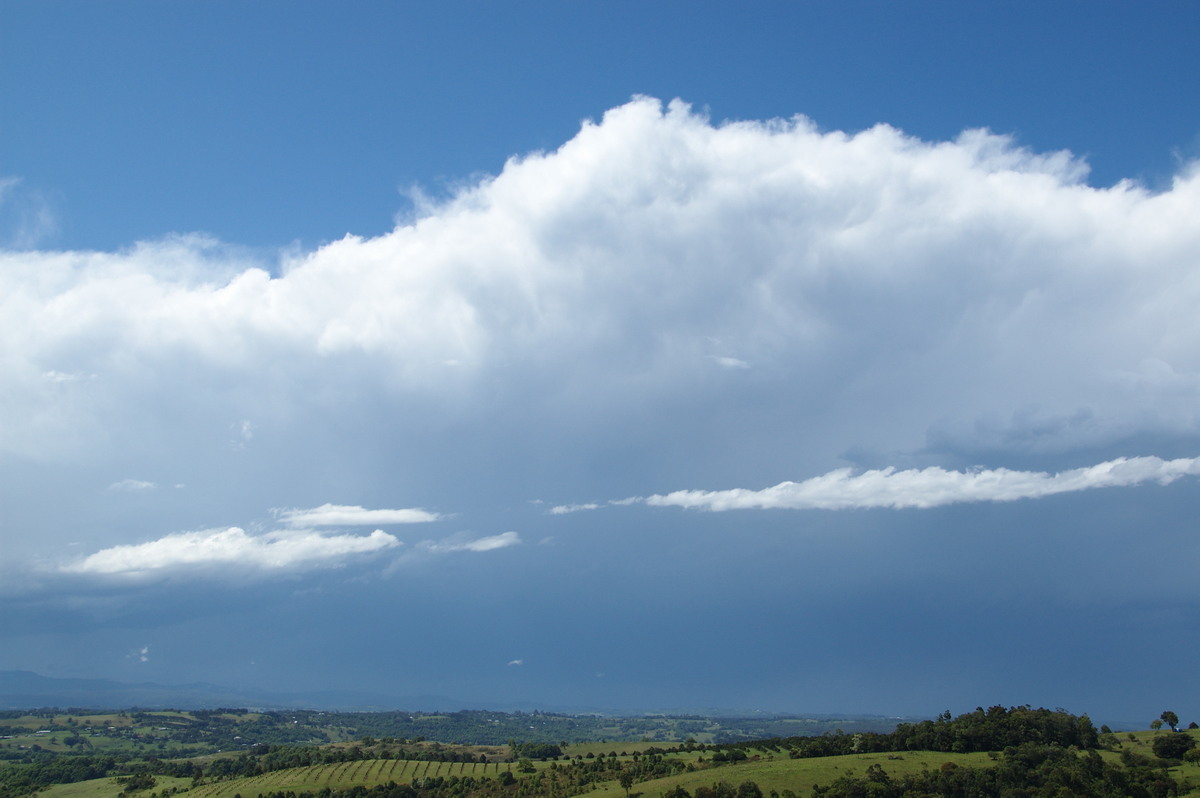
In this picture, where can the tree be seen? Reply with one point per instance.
(1171, 719)
(626, 780)
(749, 789)
(1172, 746)
(1156, 724)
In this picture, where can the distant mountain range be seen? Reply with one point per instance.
(28, 690)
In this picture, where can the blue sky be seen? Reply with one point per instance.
(793, 356)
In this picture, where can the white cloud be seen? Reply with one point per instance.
(563, 509)
(57, 376)
(131, 485)
(731, 362)
(598, 304)
(929, 487)
(352, 515)
(243, 432)
(26, 217)
(491, 543)
(516, 662)
(230, 548)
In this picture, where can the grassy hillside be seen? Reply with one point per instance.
(1017, 751)
(774, 774)
(779, 774)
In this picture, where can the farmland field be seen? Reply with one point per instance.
(416, 768)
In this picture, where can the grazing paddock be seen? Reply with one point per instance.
(343, 775)
(109, 788)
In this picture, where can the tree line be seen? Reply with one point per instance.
(1029, 770)
(982, 730)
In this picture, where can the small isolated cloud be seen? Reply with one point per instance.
(141, 654)
(131, 485)
(243, 432)
(516, 662)
(929, 487)
(351, 515)
(64, 377)
(501, 541)
(563, 509)
(27, 216)
(731, 363)
(230, 547)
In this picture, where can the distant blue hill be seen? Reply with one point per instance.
(28, 690)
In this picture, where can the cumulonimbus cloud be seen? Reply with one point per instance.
(352, 515)
(618, 268)
(232, 547)
(843, 489)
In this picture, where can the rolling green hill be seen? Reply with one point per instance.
(1012, 752)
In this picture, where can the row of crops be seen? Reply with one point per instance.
(339, 775)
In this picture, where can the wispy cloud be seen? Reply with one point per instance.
(731, 362)
(26, 216)
(131, 485)
(843, 489)
(491, 543)
(352, 515)
(564, 509)
(230, 548)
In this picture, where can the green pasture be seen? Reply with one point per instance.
(583, 749)
(772, 770)
(343, 775)
(1189, 771)
(779, 773)
(108, 788)
(798, 775)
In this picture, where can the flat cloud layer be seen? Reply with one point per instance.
(231, 547)
(923, 488)
(347, 515)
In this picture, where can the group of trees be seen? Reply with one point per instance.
(47, 769)
(1173, 746)
(982, 730)
(1030, 770)
(1055, 750)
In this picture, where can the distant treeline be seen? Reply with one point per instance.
(43, 769)
(1030, 770)
(993, 729)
